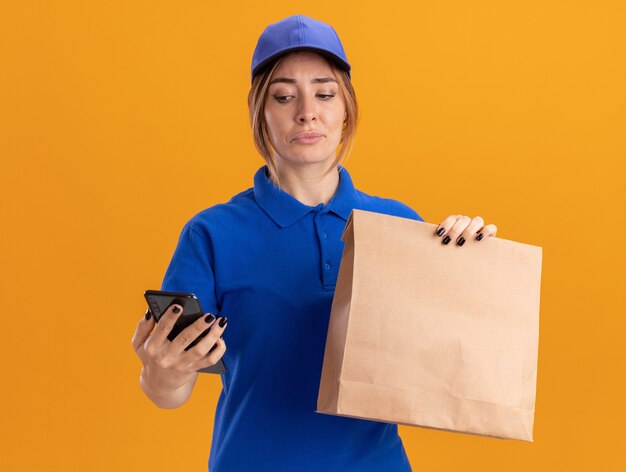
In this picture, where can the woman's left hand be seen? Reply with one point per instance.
(461, 228)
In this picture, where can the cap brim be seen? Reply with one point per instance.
(335, 59)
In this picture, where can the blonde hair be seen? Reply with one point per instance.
(256, 106)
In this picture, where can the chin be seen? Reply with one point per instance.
(310, 157)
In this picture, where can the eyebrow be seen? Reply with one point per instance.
(287, 80)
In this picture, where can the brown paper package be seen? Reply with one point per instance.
(432, 335)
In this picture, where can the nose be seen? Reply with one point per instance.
(307, 109)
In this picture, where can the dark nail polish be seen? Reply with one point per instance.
(440, 231)
(461, 241)
(222, 322)
(479, 237)
(446, 240)
(222, 336)
(209, 318)
(176, 309)
(148, 314)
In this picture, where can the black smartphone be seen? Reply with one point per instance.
(159, 301)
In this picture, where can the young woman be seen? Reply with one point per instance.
(269, 258)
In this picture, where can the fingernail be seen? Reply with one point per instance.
(222, 322)
(148, 314)
(222, 336)
(440, 231)
(176, 309)
(479, 237)
(446, 240)
(461, 241)
(209, 318)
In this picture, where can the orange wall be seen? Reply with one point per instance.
(120, 120)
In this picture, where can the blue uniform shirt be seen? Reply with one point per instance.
(270, 263)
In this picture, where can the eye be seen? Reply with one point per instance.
(285, 98)
(282, 98)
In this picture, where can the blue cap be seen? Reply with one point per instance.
(298, 32)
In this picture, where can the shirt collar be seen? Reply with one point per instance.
(285, 209)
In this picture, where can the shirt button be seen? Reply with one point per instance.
(324, 235)
(327, 265)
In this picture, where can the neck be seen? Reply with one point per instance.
(310, 184)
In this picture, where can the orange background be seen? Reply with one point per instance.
(120, 120)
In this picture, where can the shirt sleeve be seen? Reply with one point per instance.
(414, 215)
(191, 268)
(406, 211)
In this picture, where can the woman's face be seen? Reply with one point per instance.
(303, 96)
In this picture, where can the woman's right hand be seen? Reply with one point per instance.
(169, 370)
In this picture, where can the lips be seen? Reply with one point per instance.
(307, 136)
